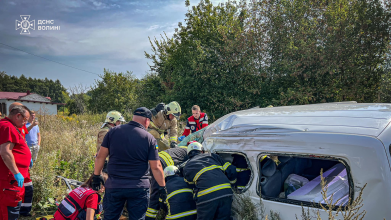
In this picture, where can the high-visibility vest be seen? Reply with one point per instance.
(73, 206)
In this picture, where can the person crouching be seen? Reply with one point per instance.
(81, 203)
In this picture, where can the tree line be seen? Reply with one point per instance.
(45, 87)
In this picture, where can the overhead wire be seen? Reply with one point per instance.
(48, 59)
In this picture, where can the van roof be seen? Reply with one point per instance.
(341, 117)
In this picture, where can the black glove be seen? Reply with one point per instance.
(159, 107)
(96, 181)
(173, 145)
(162, 193)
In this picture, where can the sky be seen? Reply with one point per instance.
(93, 35)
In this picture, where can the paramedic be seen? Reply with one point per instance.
(196, 122)
(165, 119)
(170, 157)
(131, 149)
(179, 201)
(14, 163)
(28, 183)
(212, 179)
(86, 202)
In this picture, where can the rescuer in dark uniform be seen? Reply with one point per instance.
(179, 202)
(170, 157)
(212, 179)
(244, 173)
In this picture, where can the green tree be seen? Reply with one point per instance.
(114, 91)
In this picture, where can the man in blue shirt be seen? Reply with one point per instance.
(131, 150)
(33, 138)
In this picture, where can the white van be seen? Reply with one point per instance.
(350, 140)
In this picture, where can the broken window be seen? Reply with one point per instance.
(243, 168)
(297, 180)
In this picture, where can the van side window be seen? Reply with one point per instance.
(297, 180)
(243, 168)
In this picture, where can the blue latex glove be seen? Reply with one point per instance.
(19, 178)
(31, 163)
(181, 138)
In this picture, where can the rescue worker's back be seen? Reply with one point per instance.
(180, 203)
(211, 175)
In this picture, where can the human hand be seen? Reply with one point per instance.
(35, 123)
(19, 178)
(162, 193)
(96, 181)
(181, 138)
(173, 145)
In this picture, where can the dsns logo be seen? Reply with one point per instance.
(25, 24)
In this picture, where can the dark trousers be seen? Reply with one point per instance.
(136, 199)
(28, 197)
(219, 209)
(10, 213)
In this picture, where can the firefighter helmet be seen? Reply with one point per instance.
(173, 108)
(194, 146)
(114, 116)
(170, 171)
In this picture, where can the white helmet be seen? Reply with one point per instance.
(194, 145)
(114, 116)
(170, 171)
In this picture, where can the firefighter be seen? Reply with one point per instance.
(212, 179)
(113, 118)
(164, 118)
(179, 200)
(196, 122)
(244, 173)
(170, 157)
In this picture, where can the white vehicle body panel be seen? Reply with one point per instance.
(357, 134)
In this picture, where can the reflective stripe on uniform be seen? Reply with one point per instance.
(192, 122)
(148, 214)
(204, 170)
(160, 200)
(204, 122)
(167, 158)
(241, 169)
(241, 187)
(179, 191)
(213, 189)
(183, 147)
(28, 184)
(155, 127)
(233, 181)
(226, 165)
(187, 127)
(151, 212)
(173, 139)
(188, 181)
(183, 214)
(201, 119)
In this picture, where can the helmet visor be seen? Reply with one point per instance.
(177, 115)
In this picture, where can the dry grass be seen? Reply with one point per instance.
(67, 149)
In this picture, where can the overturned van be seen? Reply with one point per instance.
(349, 142)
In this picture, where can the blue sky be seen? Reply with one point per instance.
(93, 35)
